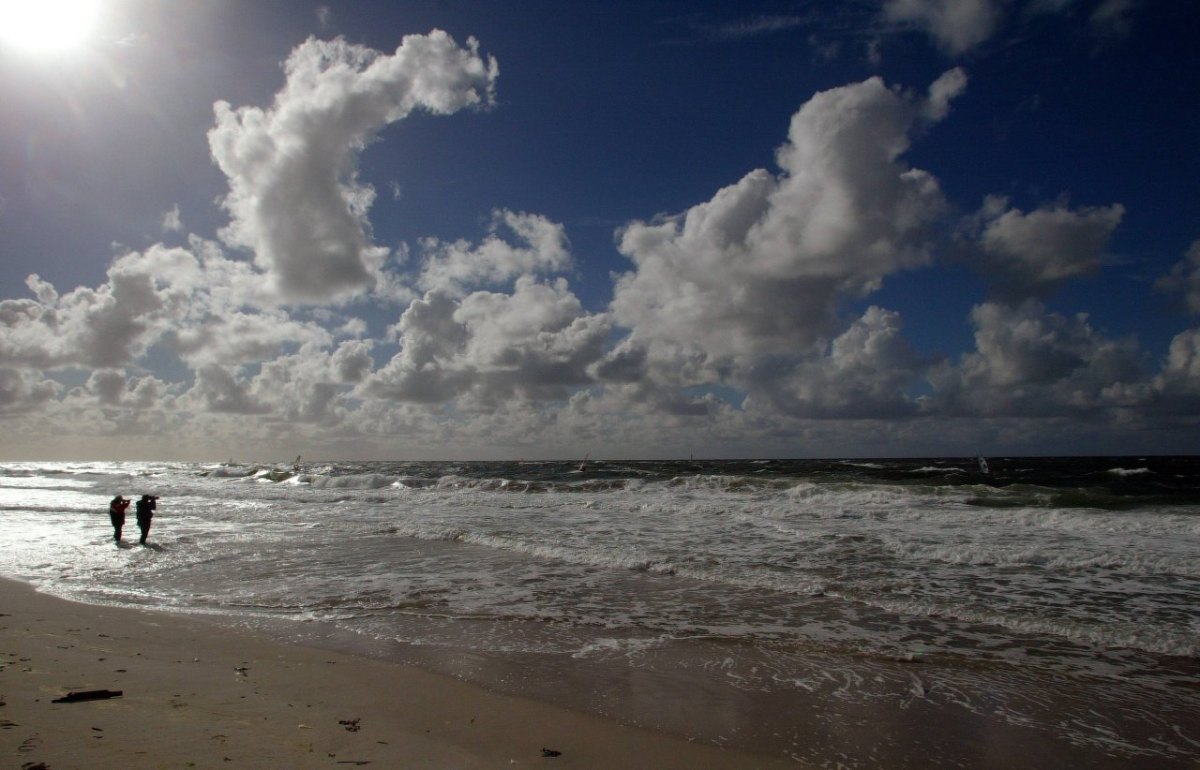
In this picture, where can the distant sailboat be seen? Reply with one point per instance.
(983, 466)
(583, 465)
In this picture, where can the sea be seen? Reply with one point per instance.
(844, 613)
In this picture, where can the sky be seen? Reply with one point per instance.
(474, 229)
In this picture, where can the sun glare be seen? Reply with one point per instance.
(47, 26)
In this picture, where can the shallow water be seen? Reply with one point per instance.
(1020, 600)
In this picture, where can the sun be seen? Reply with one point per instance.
(47, 26)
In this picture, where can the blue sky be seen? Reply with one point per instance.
(465, 229)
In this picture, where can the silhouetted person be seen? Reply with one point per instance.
(116, 512)
(145, 512)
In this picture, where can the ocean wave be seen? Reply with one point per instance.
(728, 483)
(1129, 471)
(703, 569)
(1106, 522)
(362, 481)
(932, 469)
(986, 554)
(1157, 639)
(230, 471)
(96, 510)
(41, 482)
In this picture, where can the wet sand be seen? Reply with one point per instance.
(198, 695)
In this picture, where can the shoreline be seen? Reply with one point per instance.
(198, 694)
(944, 633)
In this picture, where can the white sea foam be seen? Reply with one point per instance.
(1129, 471)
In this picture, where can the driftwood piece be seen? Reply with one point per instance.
(82, 695)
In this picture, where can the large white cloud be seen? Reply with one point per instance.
(762, 267)
(193, 300)
(312, 385)
(533, 344)
(1034, 363)
(104, 327)
(294, 196)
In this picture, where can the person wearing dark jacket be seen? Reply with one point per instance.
(116, 512)
(145, 512)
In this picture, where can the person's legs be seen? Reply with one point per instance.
(144, 526)
(117, 522)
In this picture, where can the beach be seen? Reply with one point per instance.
(835, 614)
(197, 695)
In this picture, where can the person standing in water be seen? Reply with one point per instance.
(145, 512)
(116, 512)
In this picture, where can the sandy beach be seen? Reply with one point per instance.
(195, 695)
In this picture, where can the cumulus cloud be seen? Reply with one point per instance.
(241, 338)
(1032, 253)
(311, 385)
(451, 267)
(1184, 278)
(104, 327)
(221, 389)
(533, 344)
(295, 199)
(1183, 358)
(22, 390)
(352, 361)
(1030, 362)
(956, 25)
(112, 388)
(942, 91)
(868, 372)
(193, 302)
(1176, 389)
(730, 325)
(761, 268)
(200, 305)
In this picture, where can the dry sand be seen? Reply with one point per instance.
(196, 695)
